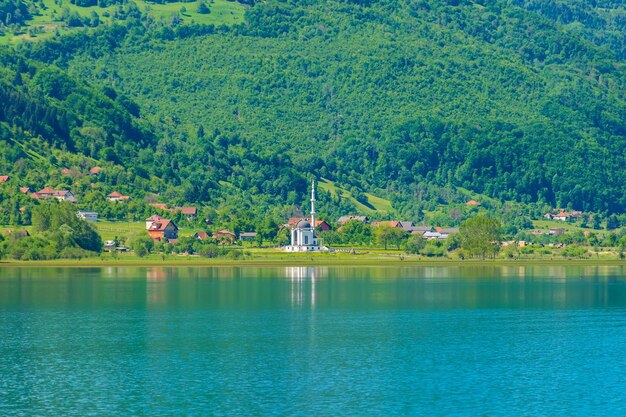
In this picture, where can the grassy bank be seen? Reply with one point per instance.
(280, 258)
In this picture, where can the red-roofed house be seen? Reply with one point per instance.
(567, 216)
(117, 197)
(48, 192)
(562, 216)
(225, 236)
(95, 171)
(473, 203)
(202, 236)
(152, 219)
(189, 212)
(24, 190)
(4, 178)
(163, 229)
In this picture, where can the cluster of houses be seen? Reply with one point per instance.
(162, 229)
(165, 230)
(564, 216)
(427, 232)
(190, 213)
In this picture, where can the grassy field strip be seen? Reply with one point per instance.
(380, 205)
(110, 230)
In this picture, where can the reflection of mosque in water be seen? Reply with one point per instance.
(303, 281)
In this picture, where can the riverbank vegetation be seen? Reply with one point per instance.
(57, 232)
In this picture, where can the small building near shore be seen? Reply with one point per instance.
(303, 235)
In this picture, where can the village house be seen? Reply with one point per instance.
(90, 216)
(95, 171)
(387, 223)
(447, 231)
(4, 178)
(420, 230)
(154, 218)
(225, 236)
(406, 226)
(48, 192)
(432, 235)
(473, 203)
(159, 206)
(161, 229)
(567, 217)
(201, 236)
(109, 245)
(24, 190)
(117, 197)
(190, 213)
(344, 219)
(563, 215)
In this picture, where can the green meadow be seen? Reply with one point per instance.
(374, 204)
(48, 21)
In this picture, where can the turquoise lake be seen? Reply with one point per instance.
(313, 341)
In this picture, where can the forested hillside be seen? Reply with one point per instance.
(419, 101)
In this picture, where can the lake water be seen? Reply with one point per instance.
(313, 341)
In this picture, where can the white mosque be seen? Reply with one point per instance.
(303, 237)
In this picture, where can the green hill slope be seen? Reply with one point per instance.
(408, 99)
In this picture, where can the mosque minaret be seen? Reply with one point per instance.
(303, 236)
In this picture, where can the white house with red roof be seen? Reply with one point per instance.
(49, 192)
(161, 229)
(117, 197)
(152, 219)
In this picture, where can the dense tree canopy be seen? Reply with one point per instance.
(418, 101)
(480, 236)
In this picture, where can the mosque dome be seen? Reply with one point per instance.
(303, 224)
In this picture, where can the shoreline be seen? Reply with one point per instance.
(348, 262)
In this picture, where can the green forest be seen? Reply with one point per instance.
(423, 103)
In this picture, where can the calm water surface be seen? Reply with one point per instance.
(313, 341)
